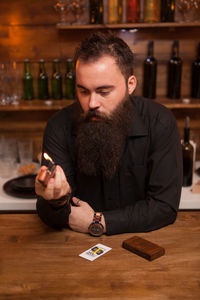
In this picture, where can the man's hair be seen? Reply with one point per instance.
(100, 44)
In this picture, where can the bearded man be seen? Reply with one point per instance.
(118, 156)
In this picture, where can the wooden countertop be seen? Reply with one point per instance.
(37, 262)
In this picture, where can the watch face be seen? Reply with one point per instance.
(96, 229)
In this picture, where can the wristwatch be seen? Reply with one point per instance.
(96, 228)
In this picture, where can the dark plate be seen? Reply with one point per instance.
(24, 183)
(21, 187)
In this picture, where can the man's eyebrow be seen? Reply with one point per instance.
(105, 87)
(98, 88)
(81, 86)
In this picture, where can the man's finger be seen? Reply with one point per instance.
(76, 201)
(62, 174)
(58, 181)
(49, 191)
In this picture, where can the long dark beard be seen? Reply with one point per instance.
(100, 143)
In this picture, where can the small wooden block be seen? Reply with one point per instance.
(143, 248)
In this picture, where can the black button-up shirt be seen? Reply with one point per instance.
(144, 193)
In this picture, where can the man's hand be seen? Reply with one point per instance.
(81, 216)
(56, 188)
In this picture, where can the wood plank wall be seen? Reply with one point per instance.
(28, 30)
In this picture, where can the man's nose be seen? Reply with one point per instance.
(93, 101)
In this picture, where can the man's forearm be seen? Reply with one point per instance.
(142, 217)
(56, 217)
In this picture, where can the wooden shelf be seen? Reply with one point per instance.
(129, 25)
(179, 103)
(50, 105)
(34, 105)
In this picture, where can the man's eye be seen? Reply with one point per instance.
(104, 93)
(84, 92)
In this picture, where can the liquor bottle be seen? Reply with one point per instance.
(196, 76)
(174, 73)
(69, 80)
(133, 11)
(28, 81)
(151, 11)
(115, 11)
(167, 11)
(96, 11)
(43, 92)
(188, 155)
(150, 71)
(56, 81)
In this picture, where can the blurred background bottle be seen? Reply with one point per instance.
(196, 75)
(28, 81)
(150, 72)
(96, 11)
(69, 80)
(188, 155)
(174, 73)
(151, 11)
(133, 11)
(114, 11)
(167, 10)
(43, 92)
(56, 81)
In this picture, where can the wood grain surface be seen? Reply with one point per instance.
(37, 262)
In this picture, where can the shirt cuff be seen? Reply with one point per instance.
(116, 222)
(55, 203)
(56, 217)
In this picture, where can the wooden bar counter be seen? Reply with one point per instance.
(37, 262)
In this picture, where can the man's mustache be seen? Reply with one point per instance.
(87, 116)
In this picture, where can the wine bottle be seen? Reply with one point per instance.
(96, 11)
(174, 73)
(43, 92)
(150, 71)
(56, 81)
(133, 11)
(28, 81)
(69, 80)
(188, 155)
(167, 11)
(115, 11)
(151, 11)
(196, 75)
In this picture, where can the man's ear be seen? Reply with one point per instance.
(132, 82)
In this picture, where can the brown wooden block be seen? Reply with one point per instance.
(143, 248)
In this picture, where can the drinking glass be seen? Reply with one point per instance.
(81, 11)
(73, 11)
(189, 10)
(8, 157)
(13, 83)
(25, 149)
(64, 8)
(3, 82)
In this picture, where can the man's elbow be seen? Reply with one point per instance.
(168, 217)
(171, 217)
(163, 218)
